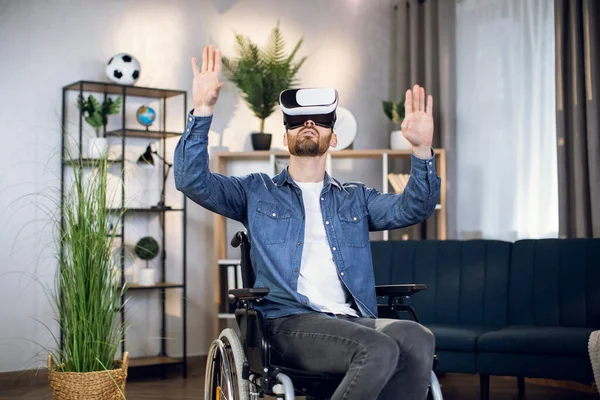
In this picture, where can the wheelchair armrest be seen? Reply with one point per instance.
(396, 295)
(249, 293)
(399, 290)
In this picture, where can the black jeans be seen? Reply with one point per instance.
(381, 358)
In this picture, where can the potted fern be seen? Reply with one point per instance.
(261, 74)
(96, 115)
(87, 296)
(395, 113)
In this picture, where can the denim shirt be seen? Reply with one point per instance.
(272, 211)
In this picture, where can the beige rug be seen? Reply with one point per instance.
(594, 350)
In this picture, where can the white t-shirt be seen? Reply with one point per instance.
(319, 280)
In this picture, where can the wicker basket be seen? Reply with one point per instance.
(100, 385)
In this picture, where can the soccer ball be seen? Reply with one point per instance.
(123, 69)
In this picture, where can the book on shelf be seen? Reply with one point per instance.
(398, 181)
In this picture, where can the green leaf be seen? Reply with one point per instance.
(387, 109)
(95, 120)
(110, 107)
(93, 103)
(394, 111)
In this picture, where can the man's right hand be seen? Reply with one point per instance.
(206, 85)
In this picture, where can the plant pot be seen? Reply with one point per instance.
(97, 148)
(261, 141)
(398, 141)
(147, 277)
(99, 385)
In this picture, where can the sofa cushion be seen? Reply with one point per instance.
(536, 340)
(555, 282)
(467, 281)
(456, 337)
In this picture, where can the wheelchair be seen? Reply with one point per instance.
(243, 367)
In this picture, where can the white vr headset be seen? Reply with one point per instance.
(301, 105)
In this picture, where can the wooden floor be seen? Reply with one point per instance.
(455, 387)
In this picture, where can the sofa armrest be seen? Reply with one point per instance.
(248, 294)
(407, 289)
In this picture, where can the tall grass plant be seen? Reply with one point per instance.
(88, 286)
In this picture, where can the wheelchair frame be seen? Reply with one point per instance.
(260, 367)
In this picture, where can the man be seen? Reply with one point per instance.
(310, 240)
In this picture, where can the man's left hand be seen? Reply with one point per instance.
(417, 126)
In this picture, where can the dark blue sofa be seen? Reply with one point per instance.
(523, 309)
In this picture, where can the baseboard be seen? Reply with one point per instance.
(39, 377)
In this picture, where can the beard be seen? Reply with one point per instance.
(303, 146)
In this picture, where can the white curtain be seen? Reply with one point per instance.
(506, 133)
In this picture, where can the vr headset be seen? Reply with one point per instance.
(301, 105)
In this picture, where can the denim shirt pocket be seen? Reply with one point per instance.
(272, 222)
(355, 225)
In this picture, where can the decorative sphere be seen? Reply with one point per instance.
(147, 248)
(123, 69)
(145, 115)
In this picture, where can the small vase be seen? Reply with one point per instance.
(97, 148)
(261, 141)
(398, 141)
(147, 277)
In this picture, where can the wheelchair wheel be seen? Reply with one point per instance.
(435, 391)
(223, 378)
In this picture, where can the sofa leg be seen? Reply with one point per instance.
(484, 386)
(521, 385)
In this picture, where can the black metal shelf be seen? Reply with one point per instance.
(128, 90)
(119, 138)
(158, 286)
(142, 133)
(145, 210)
(89, 162)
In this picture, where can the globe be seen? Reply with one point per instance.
(145, 115)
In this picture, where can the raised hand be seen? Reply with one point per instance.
(417, 126)
(207, 85)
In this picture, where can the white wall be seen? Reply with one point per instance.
(45, 45)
